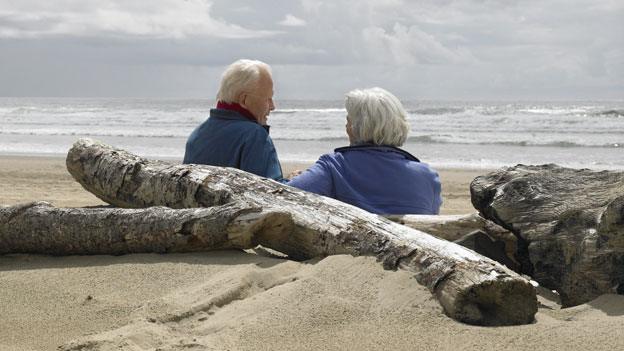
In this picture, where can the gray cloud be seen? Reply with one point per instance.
(407, 46)
(153, 19)
(320, 49)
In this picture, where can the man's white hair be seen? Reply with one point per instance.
(239, 77)
(376, 117)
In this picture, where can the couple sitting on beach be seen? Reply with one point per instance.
(372, 173)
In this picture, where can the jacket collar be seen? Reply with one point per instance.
(222, 105)
(384, 148)
(233, 115)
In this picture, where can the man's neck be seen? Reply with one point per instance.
(236, 108)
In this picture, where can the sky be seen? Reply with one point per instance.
(318, 49)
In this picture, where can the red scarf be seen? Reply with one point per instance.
(236, 108)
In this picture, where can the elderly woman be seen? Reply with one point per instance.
(373, 173)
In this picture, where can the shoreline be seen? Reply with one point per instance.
(286, 164)
(45, 178)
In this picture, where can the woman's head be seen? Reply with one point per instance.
(375, 116)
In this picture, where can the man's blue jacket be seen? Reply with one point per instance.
(228, 139)
(379, 179)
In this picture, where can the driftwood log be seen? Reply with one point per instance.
(40, 228)
(243, 211)
(472, 231)
(569, 224)
(470, 289)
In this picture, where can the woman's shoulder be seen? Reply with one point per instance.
(424, 168)
(332, 159)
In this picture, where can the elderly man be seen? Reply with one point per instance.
(236, 134)
(373, 173)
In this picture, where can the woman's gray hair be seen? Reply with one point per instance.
(376, 117)
(240, 77)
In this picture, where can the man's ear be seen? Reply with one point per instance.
(242, 97)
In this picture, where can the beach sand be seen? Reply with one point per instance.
(234, 300)
(32, 178)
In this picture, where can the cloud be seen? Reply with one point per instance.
(117, 18)
(432, 48)
(292, 21)
(409, 46)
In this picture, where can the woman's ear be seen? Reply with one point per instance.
(349, 130)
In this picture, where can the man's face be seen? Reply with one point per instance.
(259, 100)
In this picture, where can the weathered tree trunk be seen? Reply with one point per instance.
(471, 288)
(43, 229)
(570, 225)
(472, 231)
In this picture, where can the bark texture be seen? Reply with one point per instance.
(569, 223)
(470, 288)
(472, 231)
(41, 228)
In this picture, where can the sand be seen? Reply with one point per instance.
(234, 300)
(33, 178)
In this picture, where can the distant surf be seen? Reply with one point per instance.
(454, 134)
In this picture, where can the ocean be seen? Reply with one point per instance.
(445, 134)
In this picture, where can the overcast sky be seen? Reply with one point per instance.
(319, 49)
